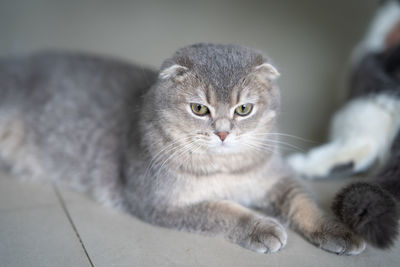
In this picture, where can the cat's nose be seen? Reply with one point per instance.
(222, 135)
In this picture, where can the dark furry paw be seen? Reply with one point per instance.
(370, 212)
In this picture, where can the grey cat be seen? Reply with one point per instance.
(192, 147)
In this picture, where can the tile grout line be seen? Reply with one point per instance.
(64, 207)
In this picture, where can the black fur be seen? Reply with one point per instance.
(370, 211)
(377, 73)
(389, 177)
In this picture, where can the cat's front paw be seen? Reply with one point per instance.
(334, 237)
(264, 236)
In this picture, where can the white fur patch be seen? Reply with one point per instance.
(244, 189)
(172, 71)
(384, 21)
(362, 132)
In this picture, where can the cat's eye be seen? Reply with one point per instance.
(244, 110)
(199, 109)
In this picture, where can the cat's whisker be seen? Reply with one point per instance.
(272, 144)
(160, 164)
(172, 156)
(155, 157)
(181, 150)
(281, 135)
(171, 144)
(177, 141)
(286, 145)
(256, 142)
(199, 146)
(263, 147)
(277, 142)
(294, 137)
(257, 148)
(166, 151)
(283, 146)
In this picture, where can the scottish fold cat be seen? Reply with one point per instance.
(191, 147)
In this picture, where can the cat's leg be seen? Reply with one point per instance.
(228, 219)
(351, 156)
(293, 203)
(361, 133)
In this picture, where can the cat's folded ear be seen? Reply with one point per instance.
(266, 72)
(175, 72)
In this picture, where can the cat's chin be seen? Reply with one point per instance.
(224, 148)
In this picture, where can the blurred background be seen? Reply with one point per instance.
(310, 40)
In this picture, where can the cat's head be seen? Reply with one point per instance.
(217, 98)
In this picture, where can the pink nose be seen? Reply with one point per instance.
(222, 135)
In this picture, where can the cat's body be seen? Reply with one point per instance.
(191, 149)
(366, 131)
(64, 117)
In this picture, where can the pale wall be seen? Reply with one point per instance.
(309, 40)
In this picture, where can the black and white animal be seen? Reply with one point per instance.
(366, 131)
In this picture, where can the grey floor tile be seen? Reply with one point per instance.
(37, 232)
(16, 194)
(114, 239)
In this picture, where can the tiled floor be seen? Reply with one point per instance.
(44, 226)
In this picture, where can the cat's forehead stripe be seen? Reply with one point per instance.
(208, 95)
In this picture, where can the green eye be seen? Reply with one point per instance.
(199, 109)
(244, 110)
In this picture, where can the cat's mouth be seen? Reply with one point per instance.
(223, 148)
